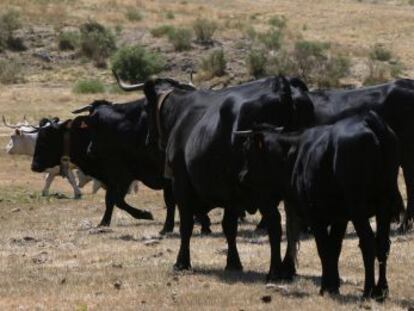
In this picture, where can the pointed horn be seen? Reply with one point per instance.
(83, 109)
(243, 133)
(127, 87)
(7, 124)
(191, 79)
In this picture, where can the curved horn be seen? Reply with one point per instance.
(127, 87)
(83, 109)
(191, 79)
(7, 124)
(246, 133)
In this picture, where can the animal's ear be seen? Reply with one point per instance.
(83, 125)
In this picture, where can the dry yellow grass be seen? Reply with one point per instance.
(50, 260)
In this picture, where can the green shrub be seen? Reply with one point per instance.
(170, 15)
(278, 21)
(97, 42)
(309, 56)
(69, 40)
(10, 72)
(256, 62)
(214, 65)
(411, 2)
(334, 69)
(204, 30)
(134, 63)
(163, 30)
(134, 15)
(181, 39)
(272, 39)
(251, 33)
(9, 22)
(88, 87)
(378, 73)
(379, 52)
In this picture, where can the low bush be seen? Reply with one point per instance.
(256, 62)
(97, 42)
(135, 63)
(380, 53)
(88, 87)
(163, 30)
(181, 38)
(134, 15)
(272, 39)
(68, 40)
(10, 21)
(278, 21)
(214, 65)
(204, 30)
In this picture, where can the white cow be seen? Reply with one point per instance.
(23, 142)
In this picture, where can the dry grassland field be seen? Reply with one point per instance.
(52, 256)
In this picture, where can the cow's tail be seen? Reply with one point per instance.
(389, 147)
(293, 230)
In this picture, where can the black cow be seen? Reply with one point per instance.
(118, 135)
(203, 159)
(393, 101)
(329, 175)
(57, 143)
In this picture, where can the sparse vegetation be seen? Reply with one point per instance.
(163, 30)
(278, 21)
(97, 42)
(10, 21)
(10, 71)
(134, 63)
(170, 15)
(214, 65)
(272, 39)
(256, 62)
(380, 53)
(204, 30)
(88, 87)
(134, 14)
(69, 40)
(181, 38)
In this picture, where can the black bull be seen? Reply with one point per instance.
(203, 157)
(393, 101)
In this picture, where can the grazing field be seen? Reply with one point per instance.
(52, 256)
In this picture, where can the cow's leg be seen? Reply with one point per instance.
(187, 204)
(169, 200)
(49, 179)
(205, 223)
(322, 243)
(72, 181)
(109, 207)
(293, 228)
(229, 225)
(383, 248)
(367, 245)
(408, 171)
(274, 229)
(336, 236)
(133, 211)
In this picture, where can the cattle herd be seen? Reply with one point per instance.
(332, 156)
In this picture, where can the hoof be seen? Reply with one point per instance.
(234, 267)
(380, 293)
(145, 215)
(45, 194)
(165, 231)
(206, 231)
(78, 196)
(104, 224)
(181, 267)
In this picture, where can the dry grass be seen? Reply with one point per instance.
(67, 268)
